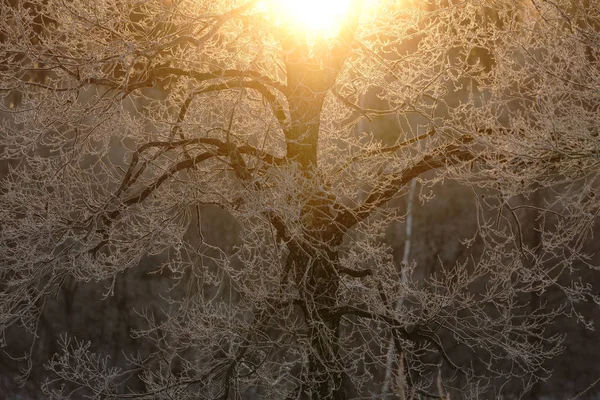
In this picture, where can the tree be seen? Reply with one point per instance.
(134, 116)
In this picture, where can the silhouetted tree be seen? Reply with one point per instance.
(143, 112)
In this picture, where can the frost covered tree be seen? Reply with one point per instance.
(125, 120)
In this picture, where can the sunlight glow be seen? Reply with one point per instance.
(315, 17)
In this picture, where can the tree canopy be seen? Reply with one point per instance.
(126, 121)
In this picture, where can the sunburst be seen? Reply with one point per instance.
(315, 17)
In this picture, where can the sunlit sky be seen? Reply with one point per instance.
(314, 16)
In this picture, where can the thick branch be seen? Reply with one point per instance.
(365, 112)
(278, 109)
(220, 150)
(353, 272)
(448, 155)
(388, 149)
(180, 166)
(223, 74)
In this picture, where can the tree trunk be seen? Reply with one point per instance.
(311, 73)
(318, 283)
(308, 86)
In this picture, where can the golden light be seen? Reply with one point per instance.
(313, 17)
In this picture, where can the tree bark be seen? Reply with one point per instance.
(318, 282)
(311, 72)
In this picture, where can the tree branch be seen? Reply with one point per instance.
(220, 21)
(448, 155)
(388, 149)
(223, 74)
(365, 112)
(278, 109)
(413, 334)
(220, 150)
(180, 166)
(354, 273)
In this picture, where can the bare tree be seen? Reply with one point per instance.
(132, 115)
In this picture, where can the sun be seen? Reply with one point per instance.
(315, 17)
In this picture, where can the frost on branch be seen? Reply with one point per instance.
(125, 123)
